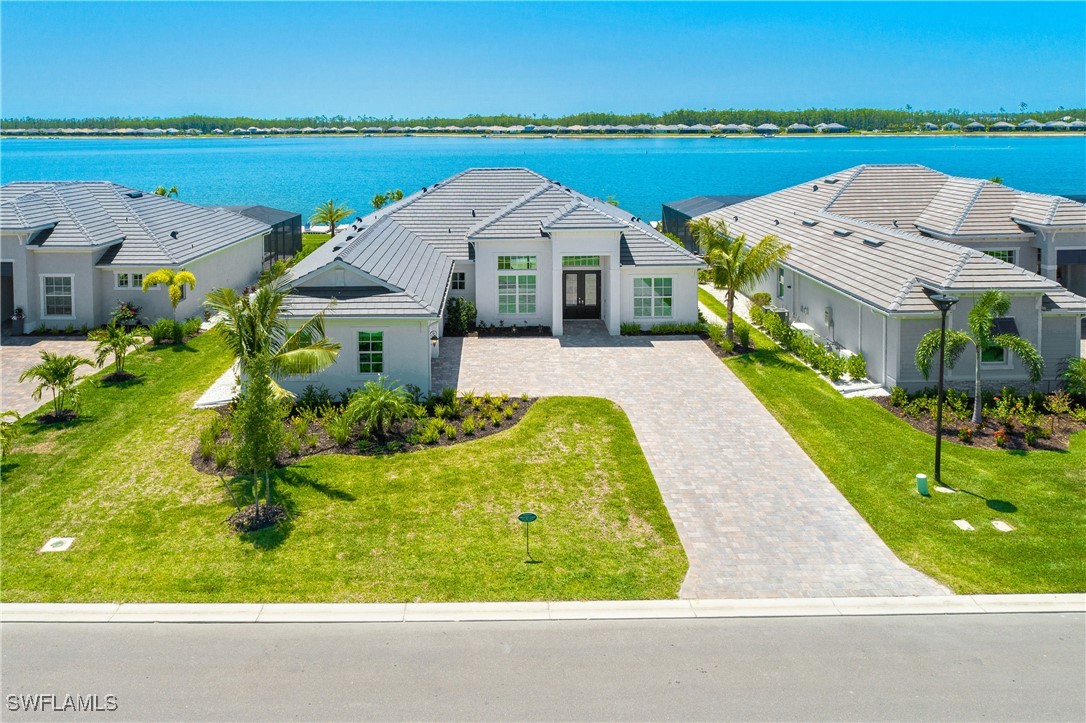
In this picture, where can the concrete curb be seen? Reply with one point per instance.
(519, 611)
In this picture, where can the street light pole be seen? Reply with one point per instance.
(943, 303)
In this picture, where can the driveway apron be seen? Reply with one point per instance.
(756, 516)
(19, 353)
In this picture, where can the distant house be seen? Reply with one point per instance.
(1056, 125)
(951, 126)
(75, 249)
(871, 243)
(1029, 125)
(1002, 126)
(930, 127)
(973, 127)
(675, 216)
(835, 128)
(284, 238)
(526, 250)
(800, 128)
(767, 129)
(1076, 125)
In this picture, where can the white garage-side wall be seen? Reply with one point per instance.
(407, 353)
(684, 290)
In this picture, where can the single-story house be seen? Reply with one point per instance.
(284, 239)
(528, 251)
(870, 243)
(75, 249)
(951, 126)
(973, 127)
(800, 128)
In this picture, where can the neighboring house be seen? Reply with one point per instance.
(75, 249)
(285, 238)
(871, 242)
(526, 250)
(675, 216)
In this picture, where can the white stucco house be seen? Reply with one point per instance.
(71, 250)
(871, 243)
(526, 250)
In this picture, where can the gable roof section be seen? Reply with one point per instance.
(579, 216)
(888, 268)
(142, 228)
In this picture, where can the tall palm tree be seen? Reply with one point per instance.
(991, 304)
(253, 326)
(735, 265)
(57, 374)
(330, 213)
(175, 282)
(117, 340)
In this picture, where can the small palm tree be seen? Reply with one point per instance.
(8, 431)
(736, 266)
(253, 326)
(117, 341)
(175, 282)
(57, 374)
(170, 192)
(990, 305)
(378, 406)
(330, 213)
(382, 199)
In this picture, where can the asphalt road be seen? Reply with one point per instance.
(949, 667)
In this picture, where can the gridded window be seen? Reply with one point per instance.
(1007, 255)
(516, 263)
(122, 281)
(137, 281)
(58, 295)
(459, 281)
(371, 352)
(993, 355)
(574, 261)
(516, 294)
(652, 297)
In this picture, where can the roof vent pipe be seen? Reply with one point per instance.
(173, 234)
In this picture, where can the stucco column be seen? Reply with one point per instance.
(1048, 256)
(614, 295)
(557, 291)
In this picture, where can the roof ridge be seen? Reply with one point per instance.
(968, 207)
(856, 172)
(510, 208)
(72, 214)
(123, 197)
(963, 259)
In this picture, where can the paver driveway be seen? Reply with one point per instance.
(18, 353)
(756, 516)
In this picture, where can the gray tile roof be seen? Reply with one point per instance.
(841, 231)
(139, 229)
(411, 245)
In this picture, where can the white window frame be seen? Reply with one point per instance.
(459, 281)
(653, 296)
(1005, 363)
(519, 294)
(41, 289)
(133, 283)
(1012, 252)
(358, 353)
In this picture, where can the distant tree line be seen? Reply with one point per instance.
(867, 119)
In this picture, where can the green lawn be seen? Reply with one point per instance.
(312, 241)
(761, 341)
(436, 525)
(873, 458)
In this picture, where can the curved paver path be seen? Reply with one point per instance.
(19, 353)
(756, 516)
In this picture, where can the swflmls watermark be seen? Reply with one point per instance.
(51, 703)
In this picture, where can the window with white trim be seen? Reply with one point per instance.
(459, 281)
(371, 352)
(652, 297)
(127, 280)
(1007, 255)
(516, 293)
(121, 281)
(993, 354)
(516, 263)
(57, 293)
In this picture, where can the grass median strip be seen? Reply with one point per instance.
(436, 525)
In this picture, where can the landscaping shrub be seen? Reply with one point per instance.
(162, 331)
(965, 434)
(898, 397)
(1074, 378)
(628, 328)
(673, 328)
(379, 405)
(507, 412)
(757, 315)
(177, 334)
(856, 366)
(460, 316)
(760, 300)
(338, 424)
(191, 327)
(1032, 437)
(833, 367)
(313, 398)
(468, 426)
(209, 436)
(224, 454)
(430, 433)
(450, 430)
(742, 334)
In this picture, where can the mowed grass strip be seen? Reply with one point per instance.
(873, 458)
(436, 525)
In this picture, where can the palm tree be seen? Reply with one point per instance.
(381, 199)
(8, 431)
(379, 405)
(57, 374)
(170, 192)
(735, 266)
(175, 282)
(330, 213)
(253, 326)
(117, 340)
(988, 306)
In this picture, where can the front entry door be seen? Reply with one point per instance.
(582, 294)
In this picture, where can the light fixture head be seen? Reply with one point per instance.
(943, 302)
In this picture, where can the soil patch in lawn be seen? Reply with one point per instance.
(1058, 435)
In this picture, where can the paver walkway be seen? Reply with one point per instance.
(19, 353)
(756, 516)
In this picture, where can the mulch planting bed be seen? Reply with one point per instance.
(984, 437)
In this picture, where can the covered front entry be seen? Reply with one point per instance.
(581, 294)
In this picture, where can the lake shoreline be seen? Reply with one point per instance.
(564, 136)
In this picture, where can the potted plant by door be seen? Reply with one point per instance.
(18, 319)
(127, 315)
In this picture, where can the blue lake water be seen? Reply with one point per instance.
(642, 173)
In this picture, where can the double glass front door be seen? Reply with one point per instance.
(581, 291)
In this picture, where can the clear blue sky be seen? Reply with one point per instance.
(415, 60)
